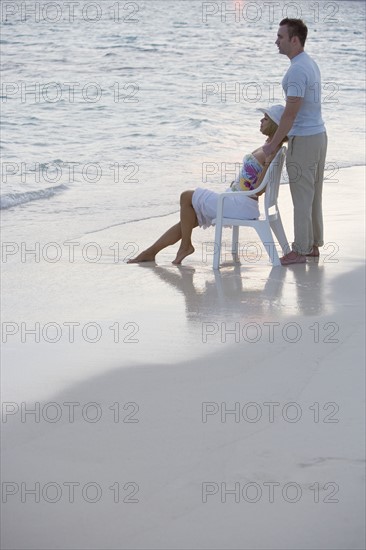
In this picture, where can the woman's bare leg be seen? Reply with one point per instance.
(170, 237)
(188, 221)
(181, 230)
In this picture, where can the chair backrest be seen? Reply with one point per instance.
(273, 179)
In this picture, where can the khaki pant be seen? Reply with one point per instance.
(305, 166)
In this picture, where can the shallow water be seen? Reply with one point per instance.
(116, 112)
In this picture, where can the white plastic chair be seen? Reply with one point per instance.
(265, 223)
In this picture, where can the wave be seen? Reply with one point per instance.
(15, 199)
(165, 215)
(340, 164)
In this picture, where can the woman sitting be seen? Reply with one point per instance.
(199, 207)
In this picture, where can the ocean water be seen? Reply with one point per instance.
(111, 108)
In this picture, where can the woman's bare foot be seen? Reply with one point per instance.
(145, 256)
(182, 253)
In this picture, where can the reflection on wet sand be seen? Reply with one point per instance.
(236, 291)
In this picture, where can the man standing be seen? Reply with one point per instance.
(302, 122)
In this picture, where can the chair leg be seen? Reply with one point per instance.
(265, 233)
(235, 240)
(217, 247)
(277, 228)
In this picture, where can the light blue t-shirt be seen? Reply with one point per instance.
(303, 80)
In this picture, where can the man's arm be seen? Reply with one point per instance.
(263, 173)
(293, 105)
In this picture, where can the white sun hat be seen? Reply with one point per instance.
(274, 112)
